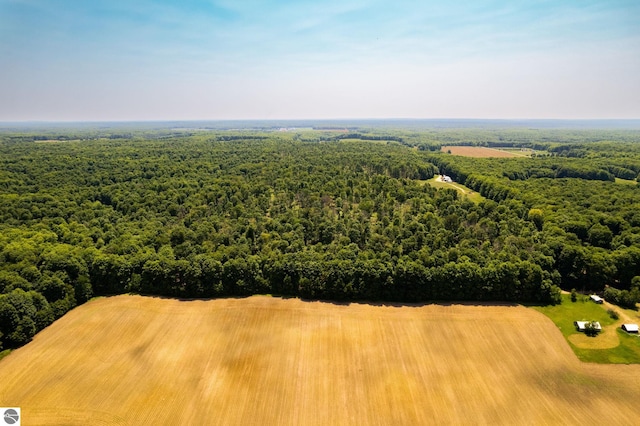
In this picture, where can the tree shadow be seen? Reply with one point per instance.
(396, 304)
(377, 303)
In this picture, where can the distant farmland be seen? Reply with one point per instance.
(480, 152)
(261, 360)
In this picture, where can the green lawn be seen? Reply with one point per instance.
(627, 352)
(470, 194)
(626, 181)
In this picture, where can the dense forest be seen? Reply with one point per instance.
(341, 215)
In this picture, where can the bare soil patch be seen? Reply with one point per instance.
(261, 360)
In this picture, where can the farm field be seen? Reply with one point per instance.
(481, 152)
(262, 360)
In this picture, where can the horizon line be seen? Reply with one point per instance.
(309, 119)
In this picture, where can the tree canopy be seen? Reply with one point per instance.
(309, 214)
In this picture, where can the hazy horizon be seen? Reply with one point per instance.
(164, 60)
(319, 124)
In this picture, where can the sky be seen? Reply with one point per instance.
(124, 60)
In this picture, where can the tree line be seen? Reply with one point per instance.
(209, 215)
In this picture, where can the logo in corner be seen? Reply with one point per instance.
(11, 416)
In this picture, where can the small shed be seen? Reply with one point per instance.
(630, 328)
(582, 325)
(596, 298)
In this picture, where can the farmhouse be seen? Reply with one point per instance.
(630, 328)
(582, 325)
(596, 298)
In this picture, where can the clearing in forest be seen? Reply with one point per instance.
(481, 152)
(437, 182)
(263, 360)
(626, 182)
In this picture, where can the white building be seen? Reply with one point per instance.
(596, 298)
(582, 325)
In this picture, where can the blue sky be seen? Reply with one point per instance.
(76, 60)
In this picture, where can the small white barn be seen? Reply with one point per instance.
(582, 325)
(596, 298)
(630, 328)
(446, 178)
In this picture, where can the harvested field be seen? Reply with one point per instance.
(480, 152)
(261, 360)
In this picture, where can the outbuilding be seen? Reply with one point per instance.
(630, 328)
(596, 298)
(582, 325)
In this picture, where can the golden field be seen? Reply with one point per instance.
(480, 152)
(133, 360)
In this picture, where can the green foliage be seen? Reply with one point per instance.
(600, 236)
(555, 295)
(574, 295)
(314, 214)
(590, 329)
(613, 314)
(537, 217)
(563, 315)
(624, 298)
(22, 314)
